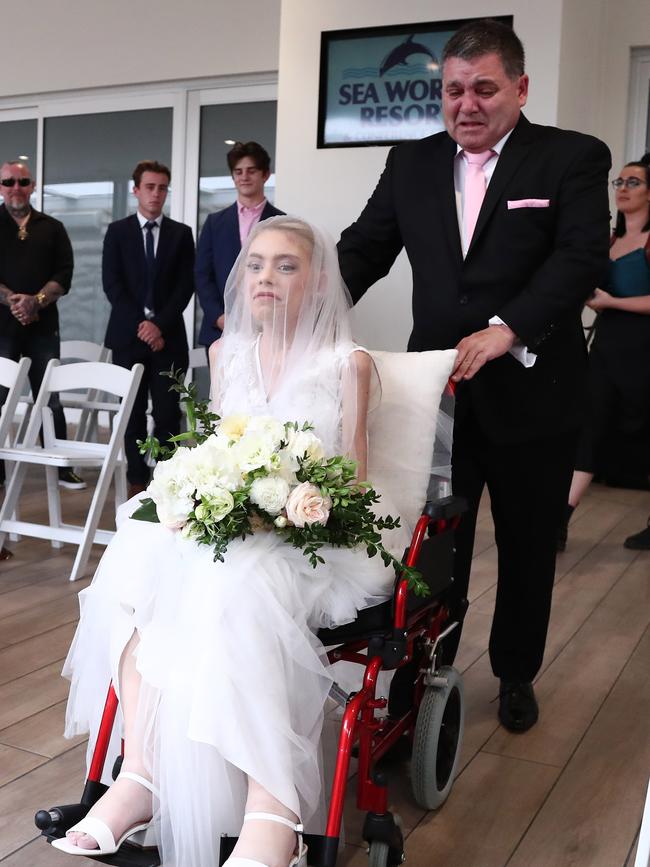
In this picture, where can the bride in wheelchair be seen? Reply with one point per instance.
(221, 679)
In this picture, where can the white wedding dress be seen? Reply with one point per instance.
(234, 680)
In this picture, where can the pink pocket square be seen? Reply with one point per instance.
(528, 203)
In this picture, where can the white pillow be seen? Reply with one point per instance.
(402, 428)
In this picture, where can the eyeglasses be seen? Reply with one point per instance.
(10, 182)
(617, 183)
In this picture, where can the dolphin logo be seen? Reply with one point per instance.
(405, 49)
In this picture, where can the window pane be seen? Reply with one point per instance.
(18, 141)
(87, 166)
(246, 121)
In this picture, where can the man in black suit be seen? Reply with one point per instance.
(147, 273)
(503, 279)
(224, 233)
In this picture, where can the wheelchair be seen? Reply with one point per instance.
(425, 707)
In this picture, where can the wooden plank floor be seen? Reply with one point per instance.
(569, 792)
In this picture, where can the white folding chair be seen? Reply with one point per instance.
(197, 358)
(88, 402)
(56, 453)
(13, 376)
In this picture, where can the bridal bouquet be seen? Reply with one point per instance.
(243, 473)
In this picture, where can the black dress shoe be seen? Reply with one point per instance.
(639, 541)
(518, 709)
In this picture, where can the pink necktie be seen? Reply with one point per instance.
(474, 190)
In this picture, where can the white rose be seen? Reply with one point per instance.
(268, 427)
(215, 507)
(304, 443)
(252, 452)
(281, 522)
(306, 505)
(172, 489)
(217, 466)
(270, 494)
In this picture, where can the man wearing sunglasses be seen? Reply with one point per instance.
(35, 271)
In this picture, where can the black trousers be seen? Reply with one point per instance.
(40, 348)
(165, 404)
(528, 485)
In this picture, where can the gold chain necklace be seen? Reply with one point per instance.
(22, 228)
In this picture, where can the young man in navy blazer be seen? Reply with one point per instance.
(506, 289)
(148, 276)
(224, 232)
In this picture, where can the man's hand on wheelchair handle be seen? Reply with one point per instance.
(478, 348)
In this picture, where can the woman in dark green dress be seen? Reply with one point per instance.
(619, 361)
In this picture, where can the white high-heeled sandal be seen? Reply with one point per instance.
(300, 857)
(99, 830)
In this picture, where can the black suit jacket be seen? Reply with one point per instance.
(533, 267)
(124, 276)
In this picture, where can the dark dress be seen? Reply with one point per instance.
(616, 441)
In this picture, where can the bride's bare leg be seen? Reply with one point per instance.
(126, 803)
(261, 840)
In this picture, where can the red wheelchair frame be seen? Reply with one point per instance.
(403, 634)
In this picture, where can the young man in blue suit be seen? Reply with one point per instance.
(224, 232)
(147, 273)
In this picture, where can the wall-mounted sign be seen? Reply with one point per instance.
(381, 85)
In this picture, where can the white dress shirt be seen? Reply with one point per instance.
(518, 350)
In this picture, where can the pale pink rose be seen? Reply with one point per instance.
(306, 505)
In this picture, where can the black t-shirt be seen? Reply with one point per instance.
(27, 265)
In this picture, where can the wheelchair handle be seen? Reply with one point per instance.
(45, 818)
(60, 817)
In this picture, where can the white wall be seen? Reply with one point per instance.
(626, 26)
(582, 71)
(331, 186)
(597, 40)
(99, 43)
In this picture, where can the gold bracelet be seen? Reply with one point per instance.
(41, 298)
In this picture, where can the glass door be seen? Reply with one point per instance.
(87, 166)
(217, 118)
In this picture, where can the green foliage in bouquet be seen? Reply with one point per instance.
(322, 505)
(201, 423)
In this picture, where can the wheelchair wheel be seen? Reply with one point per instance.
(383, 854)
(437, 740)
(378, 854)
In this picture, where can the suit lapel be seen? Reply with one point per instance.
(515, 150)
(137, 242)
(268, 211)
(441, 173)
(233, 231)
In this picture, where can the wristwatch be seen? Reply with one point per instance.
(41, 298)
